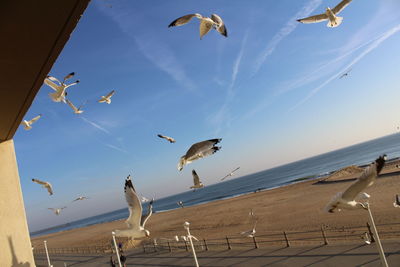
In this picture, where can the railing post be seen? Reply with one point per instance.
(286, 239)
(169, 247)
(323, 235)
(227, 242)
(186, 245)
(205, 244)
(255, 242)
(155, 245)
(144, 248)
(371, 234)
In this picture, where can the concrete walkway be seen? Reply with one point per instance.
(331, 255)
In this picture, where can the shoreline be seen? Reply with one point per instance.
(275, 209)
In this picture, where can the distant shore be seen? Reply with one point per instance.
(294, 207)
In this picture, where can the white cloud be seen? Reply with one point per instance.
(289, 27)
(97, 126)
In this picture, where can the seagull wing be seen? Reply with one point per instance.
(71, 105)
(226, 176)
(314, 19)
(49, 188)
(135, 207)
(35, 119)
(182, 20)
(201, 147)
(149, 213)
(39, 182)
(221, 26)
(337, 9)
(196, 178)
(50, 82)
(205, 26)
(110, 94)
(366, 179)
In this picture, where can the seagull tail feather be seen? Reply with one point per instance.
(332, 205)
(336, 23)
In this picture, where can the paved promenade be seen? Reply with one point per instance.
(331, 255)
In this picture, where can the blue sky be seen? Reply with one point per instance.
(270, 90)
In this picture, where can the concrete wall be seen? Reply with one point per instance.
(15, 244)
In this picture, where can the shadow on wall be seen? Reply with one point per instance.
(15, 262)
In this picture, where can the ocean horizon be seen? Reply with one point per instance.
(310, 168)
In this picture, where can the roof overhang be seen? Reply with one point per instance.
(33, 34)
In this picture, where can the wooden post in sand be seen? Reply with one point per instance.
(323, 235)
(169, 247)
(186, 245)
(144, 248)
(286, 239)
(155, 245)
(205, 244)
(255, 242)
(227, 242)
(370, 233)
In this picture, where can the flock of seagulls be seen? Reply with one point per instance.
(136, 221)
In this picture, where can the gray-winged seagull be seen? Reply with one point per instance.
(199, 150)
(196, 181)
(28, 124)
(46, 185)
(59, 87)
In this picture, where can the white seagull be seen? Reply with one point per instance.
(230, 174)
(206, 24)
(180, 203)
(170, 139)
(250, 233)
(28, 124)
(199, 150)
(59, 87)
(57, 210)
(75, 109)
(135, 221)
(44, 185)
(396, 202)
(80, 198)
(196, 181)
(107, 98)
(330, 15)
(346, 199)
(144, 199)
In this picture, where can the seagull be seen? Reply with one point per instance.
(76, 110)
(176, 238)
(345, 74)
(199, 150)
(28, 124)
(250, 233)
(396, 202)
(196, 181)
(186, 238)
(59, 87)
(45, 185)
(180, 203)
(170, 139)
(230, 174)
(80, 198)
(136, 221)
(206, 24)
(144, 199)
(107, 98)
(346, 199)
(330, 15)
(57, 210)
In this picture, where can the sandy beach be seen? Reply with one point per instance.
(295, 207)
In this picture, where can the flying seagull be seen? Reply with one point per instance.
(206, 24)
(180, 203)
(28, 124)
(144, 199)
(59, 87)
(135, 221)
(230, 174)
(345, 74)
(396, 202)
(44, 185)
(80, 198)
(57, 210)
(107, 98)
(170, 139)
(196, 181)
(75, 109)
(199, 150)
(330, 15)
(346, 199)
